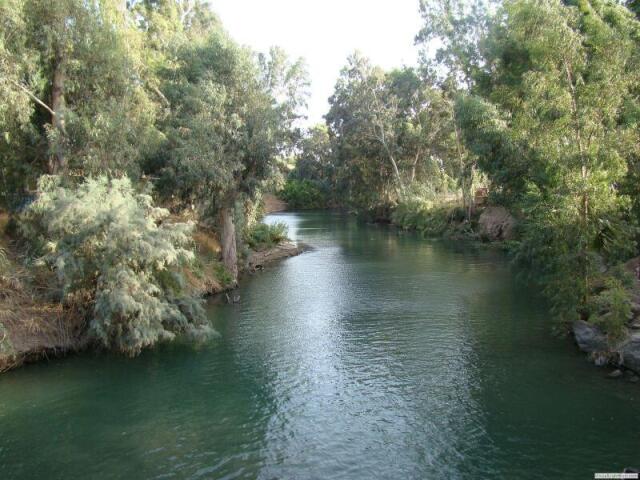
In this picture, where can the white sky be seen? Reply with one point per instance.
(325, 32)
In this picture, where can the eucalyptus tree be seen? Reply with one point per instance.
(451, 53)
(424, 130)
(559, 85)
(359, 126)
(314, 161)
(79, 66)
(226, 127)
(392, 133)
(18, 89)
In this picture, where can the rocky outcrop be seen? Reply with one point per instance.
(589, 337)
(630, 353)
(496, 223)
(592, 340)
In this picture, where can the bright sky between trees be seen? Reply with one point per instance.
(325, 33)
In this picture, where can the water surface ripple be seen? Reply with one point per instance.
(376, 355)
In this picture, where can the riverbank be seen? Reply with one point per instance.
(622, 354)
(34, 327)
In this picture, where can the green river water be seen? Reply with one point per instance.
(376, 355)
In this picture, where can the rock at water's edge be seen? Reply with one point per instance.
(589, 337)
(496, 223)
(616, 374)
(630, 353)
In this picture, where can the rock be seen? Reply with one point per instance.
(635, 309)
(600, 359)
(616, 374)
(633, 267)
(589, 337)
(630, 353)
(635, 325)
(496, 223)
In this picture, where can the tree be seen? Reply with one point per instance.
(358, 125)
(314, 160)
(560, 80)
(228, 123)
(80, 66)
(392, 132)
(451, 53)
(18, 96)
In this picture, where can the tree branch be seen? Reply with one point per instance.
(32, 96)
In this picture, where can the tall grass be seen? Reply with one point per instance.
(261, 235)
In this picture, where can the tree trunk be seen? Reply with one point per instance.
(467, 183)
(414, 166)
(228, 242)
(57, 160)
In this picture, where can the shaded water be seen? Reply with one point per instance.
(376, 355)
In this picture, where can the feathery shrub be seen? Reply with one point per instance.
(117, 258)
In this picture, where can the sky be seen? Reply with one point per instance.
(325, 32)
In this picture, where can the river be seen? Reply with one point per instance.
(375, 355)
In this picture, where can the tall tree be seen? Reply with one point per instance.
(559, 81)
(451, 53)
(90, 111)
(226, 128)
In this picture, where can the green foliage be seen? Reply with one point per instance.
(612, 309)
(262, 235)
(390, 131)
(230, 119)
(72, 90)
(548, 125)
(154, 91)
(304, 194)
(431, 219)
(118, 256)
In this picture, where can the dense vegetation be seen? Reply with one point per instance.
(536, 102)
(112, 107)
(113, 250)
(120, 120)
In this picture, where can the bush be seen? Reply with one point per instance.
(304, 194)
(117, 259)
(261, 235)
(613, 309)
(427, 218)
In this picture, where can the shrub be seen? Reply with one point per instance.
(427, 218)
(304, 194)
(117, 258)
(613, 309)
(261, 235)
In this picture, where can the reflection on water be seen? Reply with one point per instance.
(375, 355)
